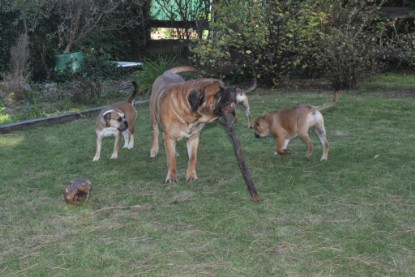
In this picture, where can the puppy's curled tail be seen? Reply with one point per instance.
(131, 99)
(251, 88)
(330, 104)
(180, 69)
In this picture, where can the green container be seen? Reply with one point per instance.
(72, 61)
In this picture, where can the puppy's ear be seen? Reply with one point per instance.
(219, 93)
(107, 117)
(196, 98)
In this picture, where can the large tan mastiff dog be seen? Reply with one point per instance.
(298, 121)
(182, 108)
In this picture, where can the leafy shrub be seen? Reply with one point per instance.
(86, 84)
(15, 81)
(279, 39)
(349, 46)
(5, 118)
(272, 40)
(152, 69)
(400, 44)
(235, 42)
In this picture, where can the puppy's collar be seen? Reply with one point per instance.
(105, 122)
(110, 111)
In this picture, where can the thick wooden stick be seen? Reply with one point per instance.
(241, 159)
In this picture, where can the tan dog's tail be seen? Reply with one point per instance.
(180, 69)
(251, 88)
(330, 104)
(131, 99)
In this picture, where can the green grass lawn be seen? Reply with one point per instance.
(353, 215)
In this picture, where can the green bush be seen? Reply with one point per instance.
(276, 40)
(151, 70)
(399, 52)
(283, 39)
(86, 84)
(5, 118)
(122, 34)
(348, 49)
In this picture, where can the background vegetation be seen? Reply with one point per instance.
(342, 42)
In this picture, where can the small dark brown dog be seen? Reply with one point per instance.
(242, 100)
(298, 121)
(182, 108)
(115, 120)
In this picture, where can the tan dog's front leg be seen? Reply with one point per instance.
(116, 145)
(99, 146)
(192, 148)
(281, 145)
(170, 148)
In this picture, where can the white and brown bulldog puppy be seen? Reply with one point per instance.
(298, 121)
(115, 120)
(242, 100)
(182, 108)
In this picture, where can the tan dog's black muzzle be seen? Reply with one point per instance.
(124, 124)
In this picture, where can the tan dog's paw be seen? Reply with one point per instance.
(114, 156)
(171, 180)
(283, 152)
(191, 177)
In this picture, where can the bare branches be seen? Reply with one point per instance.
(80, 18)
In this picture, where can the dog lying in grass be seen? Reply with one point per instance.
(298, 121)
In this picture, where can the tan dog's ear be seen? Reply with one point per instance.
(196, 98)
(107, 119)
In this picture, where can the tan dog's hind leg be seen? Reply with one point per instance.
(128, 139)
(155, 145)
(99, 146)
(303, 134)
(132, 139)
(131, 136)
(116, 145)
(192, 148)
(170, 148)
(242, 99)
(245, 107)
(321, 133)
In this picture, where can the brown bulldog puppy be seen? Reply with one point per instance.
(115, 120)
(242, 100)
(298, 121)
